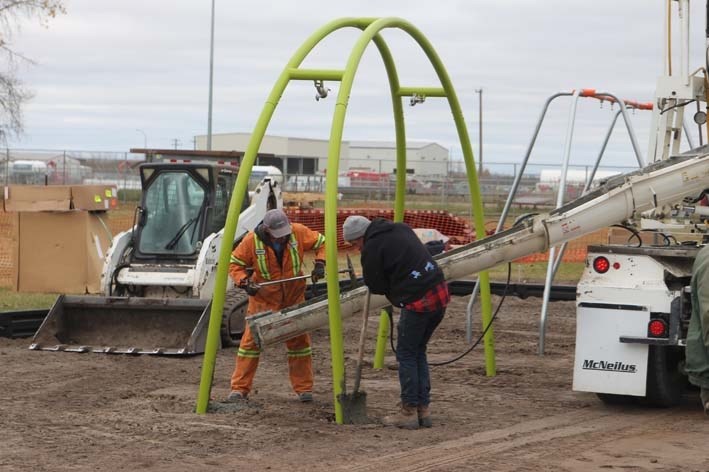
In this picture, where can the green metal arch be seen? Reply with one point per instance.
(371, 28)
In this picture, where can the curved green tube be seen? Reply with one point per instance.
(242, 180)
(371, 27)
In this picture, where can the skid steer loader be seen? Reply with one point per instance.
(158, 277)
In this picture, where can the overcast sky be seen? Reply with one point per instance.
(107, 69)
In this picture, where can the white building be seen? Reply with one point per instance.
(422, 158)
(309, 156)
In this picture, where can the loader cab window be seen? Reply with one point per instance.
(174, 202)
(222, 198)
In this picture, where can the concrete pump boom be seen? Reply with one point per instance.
(620, 198)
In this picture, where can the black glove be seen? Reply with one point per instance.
(249, 286)
(318, 271)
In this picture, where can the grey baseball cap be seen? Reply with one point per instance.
(276, 222)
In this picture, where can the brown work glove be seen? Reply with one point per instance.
(249, 286)
(318, 271)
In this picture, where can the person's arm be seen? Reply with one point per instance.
(313, 241)
(241, 258)
(375, 276)
(701, 283)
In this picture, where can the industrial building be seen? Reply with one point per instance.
(306, 156)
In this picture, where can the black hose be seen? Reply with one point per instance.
(631, 230)
(489, 325)
(663, 111)
(482, 335)
(114, 277)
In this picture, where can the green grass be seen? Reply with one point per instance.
(11, 301)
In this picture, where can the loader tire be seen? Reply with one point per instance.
(233, 317)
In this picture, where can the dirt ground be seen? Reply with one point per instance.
(65, 411)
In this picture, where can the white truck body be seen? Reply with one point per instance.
(614, 310)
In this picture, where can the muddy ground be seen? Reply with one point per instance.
(66, 411)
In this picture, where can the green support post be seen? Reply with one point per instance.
(371, 27)
(382, 338)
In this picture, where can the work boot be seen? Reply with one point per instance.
(305, 397)
(704, 395)
(424, 416)
(236, 397)
(406, 418)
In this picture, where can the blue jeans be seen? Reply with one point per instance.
(414, 331)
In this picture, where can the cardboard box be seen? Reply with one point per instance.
(59, 252)
(37, 197)
(94, 197)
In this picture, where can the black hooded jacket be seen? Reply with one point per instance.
(396, 264)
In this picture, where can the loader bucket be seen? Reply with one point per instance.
(124, 325)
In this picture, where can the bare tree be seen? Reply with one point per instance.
(13, 94)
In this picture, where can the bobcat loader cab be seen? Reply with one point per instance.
(182, 209)
(158, 277)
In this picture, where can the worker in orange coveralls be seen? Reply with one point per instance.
(274, 250)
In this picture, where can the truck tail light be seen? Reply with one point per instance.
(601, 264)
(657, 328)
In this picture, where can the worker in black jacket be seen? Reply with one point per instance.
(396, 264)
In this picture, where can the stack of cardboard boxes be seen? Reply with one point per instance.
(60, 236)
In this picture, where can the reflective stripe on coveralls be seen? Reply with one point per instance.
(248, 353)
(278, 296)
(261, 258)
(300, 367)
(235, 260)
(252, 252)
(293, 248)
(300, 352)
(319, 242)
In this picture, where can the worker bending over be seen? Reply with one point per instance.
(396, 264)
(274, 251)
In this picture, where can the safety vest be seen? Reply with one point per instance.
(262, 262)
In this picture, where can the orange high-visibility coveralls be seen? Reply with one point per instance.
(254, 253)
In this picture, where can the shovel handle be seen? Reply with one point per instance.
(360, 352)
(281, 281)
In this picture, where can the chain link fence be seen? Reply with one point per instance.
(538, 185)
(440, 182)
(48, 167)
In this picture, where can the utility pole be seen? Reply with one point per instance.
(176, 142)
(145, 138)
(480, 131)
(211, 77)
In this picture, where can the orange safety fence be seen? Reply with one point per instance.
(456, 228)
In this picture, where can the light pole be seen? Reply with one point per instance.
(480, 131)
(211, 76)
(145, 138)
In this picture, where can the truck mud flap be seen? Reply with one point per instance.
(124, 325)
